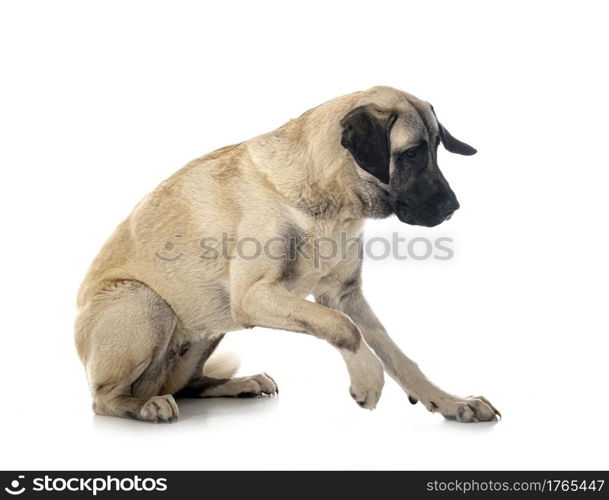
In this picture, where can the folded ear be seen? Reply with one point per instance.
(366, 135)
(453, 144)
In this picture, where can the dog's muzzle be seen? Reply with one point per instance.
(426, 215)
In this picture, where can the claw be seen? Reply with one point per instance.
(483, 399)
(273, 380)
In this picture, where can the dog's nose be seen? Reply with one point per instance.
(450, 209)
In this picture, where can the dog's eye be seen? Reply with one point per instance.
(415, 154)
(411, 153)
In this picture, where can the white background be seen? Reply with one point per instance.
(100, 101)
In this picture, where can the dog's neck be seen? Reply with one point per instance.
(305, 163)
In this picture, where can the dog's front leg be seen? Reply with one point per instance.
(347, 297)
(271, 305)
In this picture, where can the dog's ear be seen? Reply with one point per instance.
(453, 144)
(366, 135)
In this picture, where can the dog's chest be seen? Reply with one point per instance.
(318, 250)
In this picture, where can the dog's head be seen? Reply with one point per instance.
(397, 146)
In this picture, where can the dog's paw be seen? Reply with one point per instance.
(471, 409)
(365, 398)
(243, 387)
(476, 409)
(257, 386)
(367, 378)
(160, 409)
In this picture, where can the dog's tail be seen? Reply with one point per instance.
(222, 364)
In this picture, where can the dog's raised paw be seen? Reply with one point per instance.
(367, 377)
(160, 409)
(365, 399)
(367, 388)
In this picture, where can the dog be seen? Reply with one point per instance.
(148, 323)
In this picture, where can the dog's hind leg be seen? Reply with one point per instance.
(122, 337)
(210, 387)
(212, 376)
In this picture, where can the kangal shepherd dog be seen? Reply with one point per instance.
(147, 327)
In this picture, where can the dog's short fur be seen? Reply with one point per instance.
(148, 322)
